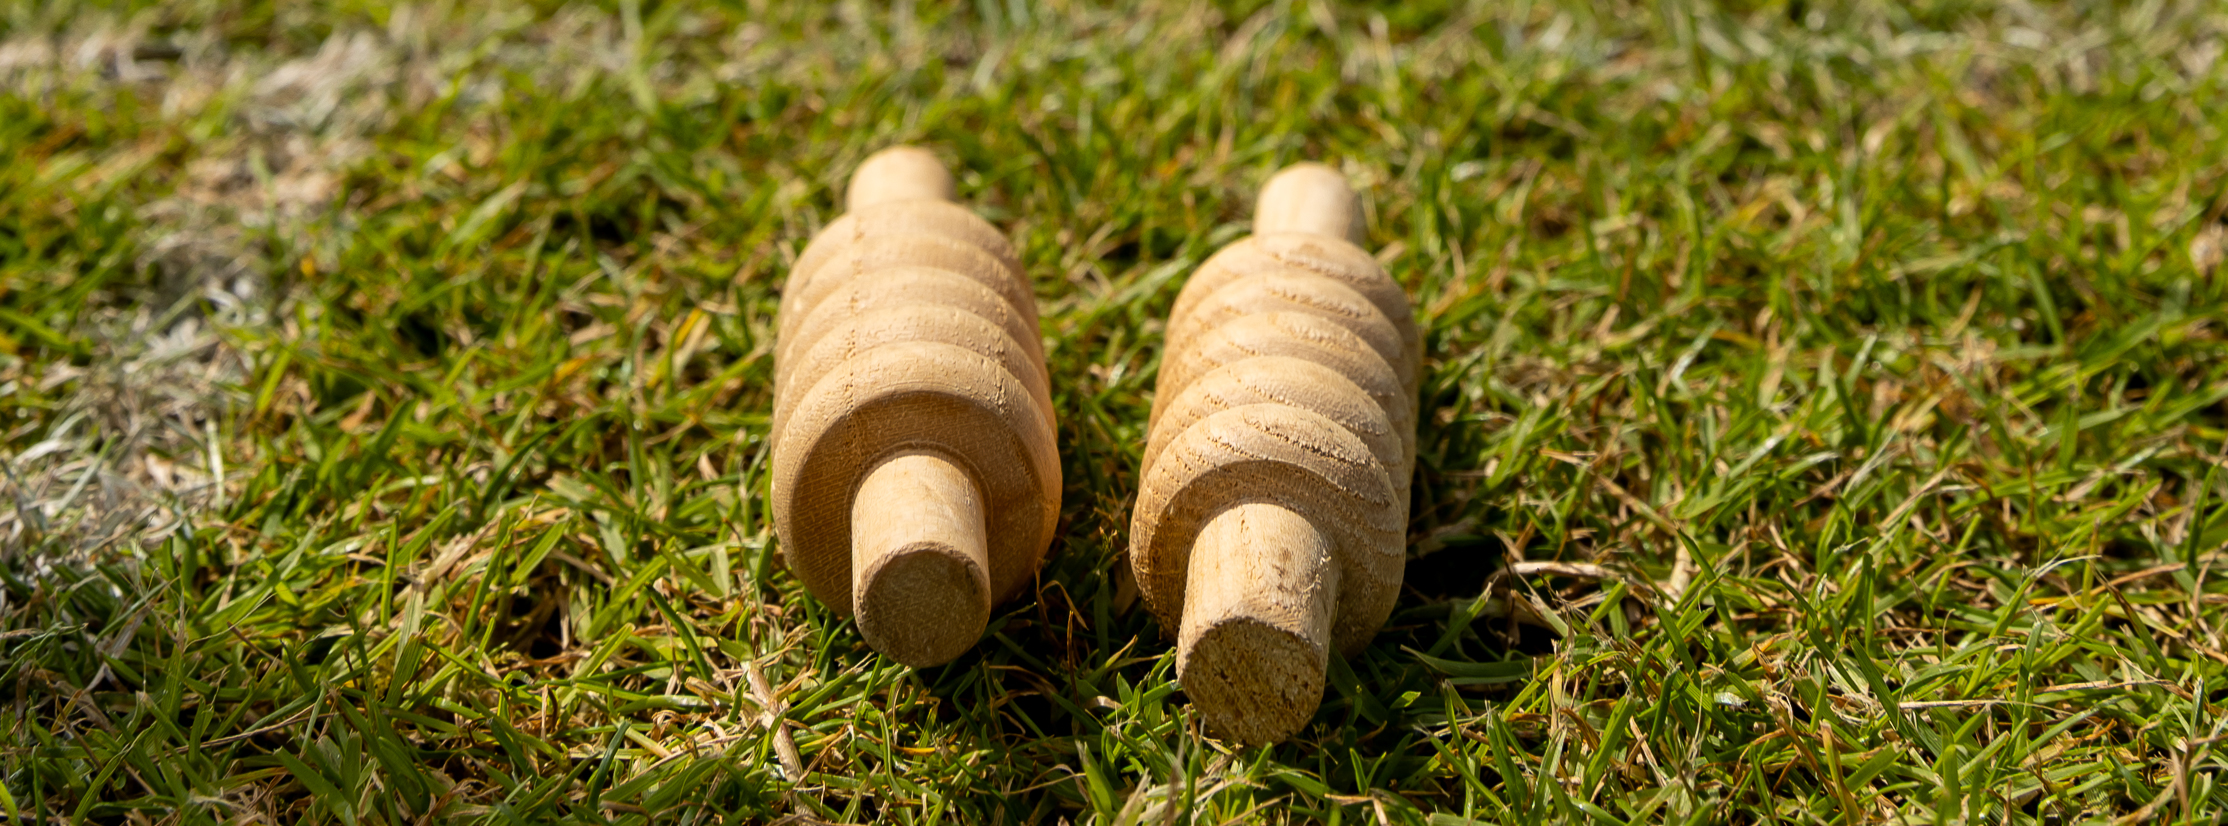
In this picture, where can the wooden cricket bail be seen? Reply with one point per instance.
(915, 475)
(1268, 530)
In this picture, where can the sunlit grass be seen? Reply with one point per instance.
(1827, 409)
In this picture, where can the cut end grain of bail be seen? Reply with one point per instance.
(920, 559)
(899, 173)
(1255, 639)
(1311, 198)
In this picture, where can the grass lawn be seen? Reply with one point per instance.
(1826, 409)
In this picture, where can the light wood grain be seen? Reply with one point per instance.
(1308, 338)
(1311, 199)
(919, 559)
(1269, 527)
(1330, 258)
(1259, 595)
(899, 173)
(1306, 294)
(1293, 383)
(915, 474)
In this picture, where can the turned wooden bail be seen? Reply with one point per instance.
(1269, 529)
(915, 476)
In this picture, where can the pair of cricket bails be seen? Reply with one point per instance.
(916, 478)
